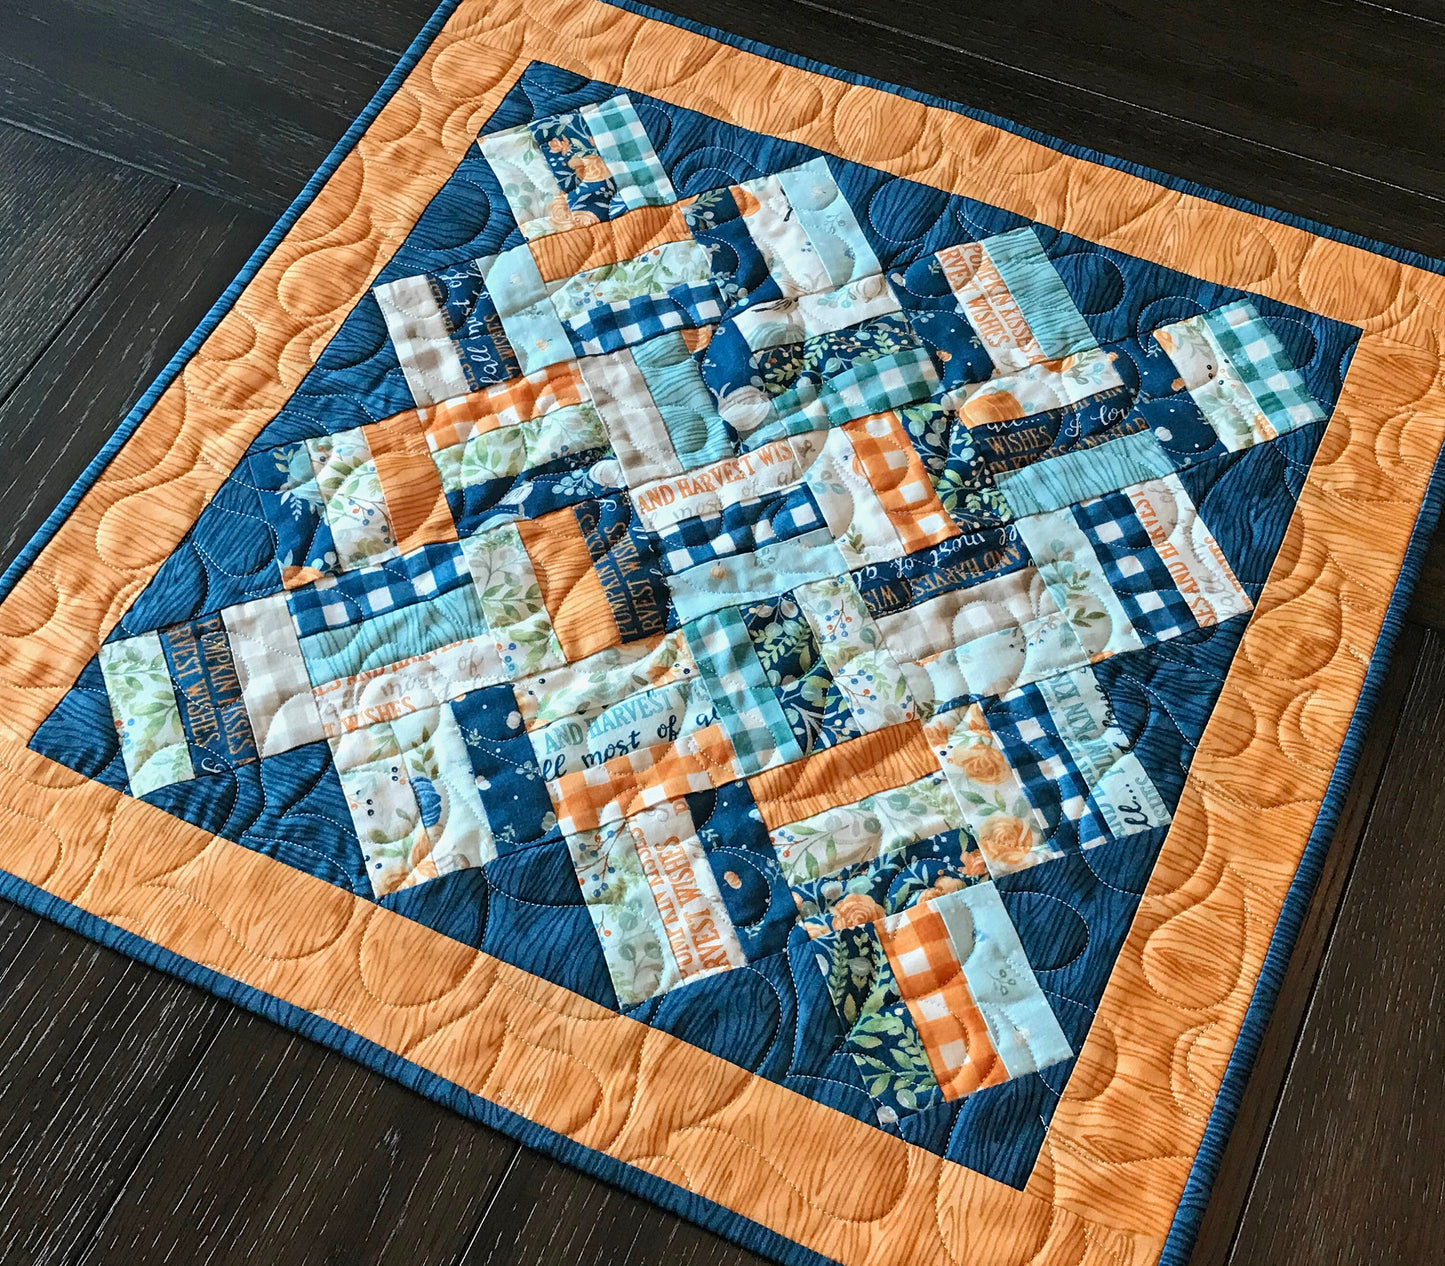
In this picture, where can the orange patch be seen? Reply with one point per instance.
(629, 783)
(563, 255)
(990, 406)
(892, 465)
(416, 504)
(932, 983)
(581, 615)
(516, 400)
(747, 204)
(843, 774)
(1119, 1150)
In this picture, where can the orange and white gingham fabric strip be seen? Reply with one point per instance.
(950, 1025)
(627, 784)
(893, 467)
(505, 404)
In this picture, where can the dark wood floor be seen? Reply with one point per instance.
(145, 148)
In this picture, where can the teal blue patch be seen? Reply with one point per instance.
(746, 705)
(416, 629)
(754, 577)
(1059, 327)
(699, 434)
(1087, 472)
(867, 387)
(525, 310)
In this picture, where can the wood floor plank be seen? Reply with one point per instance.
(1426, 10)
(1344, 91)
(281, 1151)
(215, 95)
(107, 353)
(64, 218)
(1261, 1098)
(93, 1050)
(391, 26)
(1328, 115)
(1353, 1171)
(993, 57)
(546, 1214)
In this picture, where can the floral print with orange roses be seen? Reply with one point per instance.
(854, 864)
(579, 170)
(989, 792)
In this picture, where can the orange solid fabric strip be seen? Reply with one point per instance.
(416, 503)
(843, 774)
(563, 255)
(571, 590)
(516, 400)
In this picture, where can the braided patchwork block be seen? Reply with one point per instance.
(659, 565)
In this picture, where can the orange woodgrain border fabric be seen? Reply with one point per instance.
(1119, 1150)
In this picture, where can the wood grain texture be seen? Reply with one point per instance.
(567, 1216)
(1267, 103)
(1353, 1171)
(1238, 1167)
(64, 218)
(94, 1049)
(277, 1150)
(1428, 603)
(220, 96)
(548, 1215)
(1344, 97)
(1331, 114)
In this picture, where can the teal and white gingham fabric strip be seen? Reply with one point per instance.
(1237, 372)
(746, 705)
(1259, 359)
(625, 148)
(872, 386)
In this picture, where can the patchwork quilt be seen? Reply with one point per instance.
(791, 644)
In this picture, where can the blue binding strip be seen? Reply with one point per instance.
(1205, 1169)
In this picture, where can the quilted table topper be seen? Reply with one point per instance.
(783, 641)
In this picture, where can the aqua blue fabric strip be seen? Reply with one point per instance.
(531, 324)
(417, 629)
(1087, 472)
(828, 221)
(1260, 361)
(1020, 1023)
(745, 578)
(698, 433)
(874, 386)
(663, 1193)
(1058, 326)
